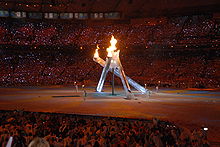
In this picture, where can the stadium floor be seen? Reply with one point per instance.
(190, 108)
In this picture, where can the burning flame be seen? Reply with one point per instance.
(112, 47)
(96, 55)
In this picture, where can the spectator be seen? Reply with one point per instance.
(38, 142)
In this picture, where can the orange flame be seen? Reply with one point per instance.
(112, 47)
(96, 55)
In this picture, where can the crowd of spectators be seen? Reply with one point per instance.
(183, 30)
(45, 53)
(92, 131)
(180, 68)
(36, 68)
(177, 69)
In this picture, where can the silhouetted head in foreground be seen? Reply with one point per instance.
(39, 142)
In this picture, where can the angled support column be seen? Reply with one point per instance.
(113, 81)
(123, 77)
(104, 73)
(117, 73)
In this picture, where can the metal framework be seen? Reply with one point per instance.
(108, 65)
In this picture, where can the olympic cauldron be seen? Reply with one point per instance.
(113, 64)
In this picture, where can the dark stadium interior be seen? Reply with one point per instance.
(170, 44)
